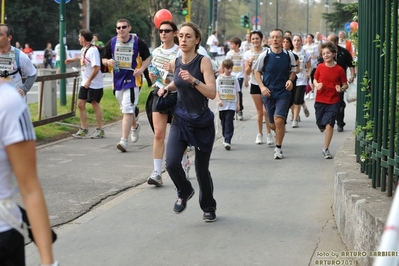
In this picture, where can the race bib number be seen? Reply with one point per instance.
(227, 89)
(124, 54)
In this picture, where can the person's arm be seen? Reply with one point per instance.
(22, 157)
(28, 83)
(29, 71)
(71, 60)
(208, 89)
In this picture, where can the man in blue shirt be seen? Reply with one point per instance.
(278, 69)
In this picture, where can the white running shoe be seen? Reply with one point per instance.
(311, 95)
(155, 179)
(270, 139)
(134, 136)
(259, 138)
(295, 124)
(227, 146)
(122, 145)
(278, 153)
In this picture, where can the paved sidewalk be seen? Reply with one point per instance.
(270, 212)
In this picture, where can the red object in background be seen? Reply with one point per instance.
(161, 15)
(354, 26)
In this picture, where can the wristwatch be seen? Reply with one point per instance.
(196, 82)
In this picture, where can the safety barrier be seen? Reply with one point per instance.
(58, 117)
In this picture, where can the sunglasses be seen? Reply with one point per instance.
(121, 27)
(166, 31)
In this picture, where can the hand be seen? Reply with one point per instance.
(163, 92)
(185, 75)
(265, 91)
(289, 84)
(152, 76)
(87, 85)
(167, 67)
(338, 88)
(351, 80)
(220, 103)
(319, 86)
(137, 72)
(21, 92)
(111, 62)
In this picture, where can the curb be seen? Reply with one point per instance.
(360, 211)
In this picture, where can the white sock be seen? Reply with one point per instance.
(158, 165)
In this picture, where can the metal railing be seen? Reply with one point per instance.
(377, 109)
(70, 113)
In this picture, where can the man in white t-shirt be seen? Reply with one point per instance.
(91, 89)
(18, 168)
(213, 44)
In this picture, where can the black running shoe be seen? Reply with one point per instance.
(209, 217)
(180, 204)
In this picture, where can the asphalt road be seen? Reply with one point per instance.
(270, 212)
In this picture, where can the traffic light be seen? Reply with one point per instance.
(184, 7)
(244, 21)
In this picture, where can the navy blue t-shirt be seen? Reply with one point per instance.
(277, 73)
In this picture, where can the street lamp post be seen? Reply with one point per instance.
(256, 14)
(276, 14)
(307, 17)
(327, 6)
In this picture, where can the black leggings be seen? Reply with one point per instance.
(174, 154)
(12, 248)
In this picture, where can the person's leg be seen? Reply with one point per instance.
(204, 178)
(99, 114)
(127, 109)
(160, 122)
(82, 99)
(240, 82)
(222, 117)
(95, 96)
(135, 93)
(280, 129)
(82, 113)
(341, 113)
(270, 107)
(259, 111)
(328, 134)
(173, 156)
(229, 125)
(280, 115)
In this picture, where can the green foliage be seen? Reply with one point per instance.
(104, 15)
(342, 14)
(37, 22)
(109, 107)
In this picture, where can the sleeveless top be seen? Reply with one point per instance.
(192, 115)
(188, 97)
(127, 54)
